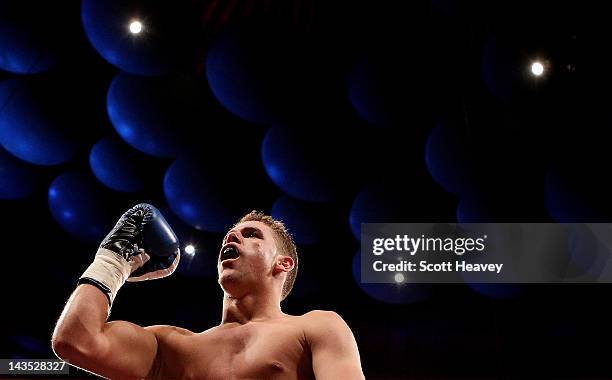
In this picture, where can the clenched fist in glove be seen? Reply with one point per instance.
(142, 246)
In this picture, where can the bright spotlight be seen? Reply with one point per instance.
(537, 69)
(189, 249)
(135, 27)
(399, 278)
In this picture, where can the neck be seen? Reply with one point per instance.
(250, 308)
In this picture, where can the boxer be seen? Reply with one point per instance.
(255, 339)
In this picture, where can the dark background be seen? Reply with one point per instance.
(520, 149)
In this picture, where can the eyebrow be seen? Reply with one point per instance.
(251, 228)
(246, 228)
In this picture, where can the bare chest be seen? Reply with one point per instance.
(259, 351)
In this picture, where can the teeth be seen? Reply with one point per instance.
(229, 251)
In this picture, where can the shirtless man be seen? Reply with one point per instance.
(255, 339)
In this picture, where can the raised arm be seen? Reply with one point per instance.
(116, 350)
(141, 246)
(334, 351)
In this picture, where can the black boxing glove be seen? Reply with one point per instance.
(142, 246)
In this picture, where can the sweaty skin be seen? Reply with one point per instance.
(274, 349)
(255, 339)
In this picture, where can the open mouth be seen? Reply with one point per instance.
(229, 253)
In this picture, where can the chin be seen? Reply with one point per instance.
(228, 282)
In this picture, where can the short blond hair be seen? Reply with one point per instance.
(284, 242)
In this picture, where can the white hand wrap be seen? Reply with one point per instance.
(111, 270)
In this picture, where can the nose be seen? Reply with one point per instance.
(232, 237)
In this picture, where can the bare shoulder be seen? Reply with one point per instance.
(322, 321)
(322, 316)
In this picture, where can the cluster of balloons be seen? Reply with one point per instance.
(157, 107)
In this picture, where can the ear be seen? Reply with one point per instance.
(283, 264)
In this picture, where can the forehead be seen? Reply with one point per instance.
(252, 224)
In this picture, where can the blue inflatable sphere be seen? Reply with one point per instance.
(80, 206)
(371, 92)
(26, 130)
(400, 293)
(301, 219)
(252, 74)
(18, 180)
(201, 197)
(117, 166)
(153, 115)
(385, 85)
(470, 210)
(306, 165)
(196, 264)
(27, 36)
(473, 211)
(160, 45)
(448, 160)
(377, 204)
